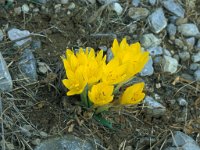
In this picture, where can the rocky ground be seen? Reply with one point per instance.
(36, 114)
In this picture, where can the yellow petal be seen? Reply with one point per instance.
(101, 94)
(133, 94)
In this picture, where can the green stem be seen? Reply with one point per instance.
(84, 98)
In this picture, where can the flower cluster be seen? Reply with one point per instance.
(96, 81)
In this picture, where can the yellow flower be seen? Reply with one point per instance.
(71, 63)
(76, 81)
(132, 55)
(95, 66)
(133, 94)
(101, 94)
(114, 72)
(88, 60)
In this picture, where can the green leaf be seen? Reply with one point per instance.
(103, 121)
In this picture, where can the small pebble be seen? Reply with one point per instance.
(149, 40)
(25, 8)
(15, 34)
(138, 13)
(117, 8)
(36, 10)
(154, 51)
(187, 76)
(1, 35)
(170, 64)
(171, 29)
(182, 102)
(194, 66)
(154, 108)
(135, 3)
(188, 29)
(152, 2)
(190, 42)
(148, 68)
(157, 20)
(64, 1)
(57, 8)
(43, 134)
(18, 10)
(179, 43)
(174, 7)
(71, 6)
(36, 141)
(180, 21)
(184, 56)
(166, 52)
(196, 57)
(197, 75)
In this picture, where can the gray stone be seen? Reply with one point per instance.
(106, 1)
(187, 76)
(176, 56)
(179, 43)
(138, 13)
(198, 45)
(43, 134)
(64, 1)
(197, 75)
(169, 64)
(190, 146)
(171, 30)
(135, 3)
(41, 1)
(190, 42)
(15, 34)
(174, 7)
(184, 56)
(182, 101)
(36, 141)
(152, 2)
(180, 21)
(149, 40)
(157, 20)
(17, 10)
(27, 65)
(148, 68)
(171, 148)
(117, 8)
(6, 83)
(154, 51)
(166, 52)
(68, 142)
(196, 57)
(186, 142)
(194, 66)
(154, 108)
(188, 29)
(1, 35)
(25, 8)
(109, 55)
(57, 8)
(36, 44)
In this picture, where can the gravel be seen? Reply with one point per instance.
(157, 21)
